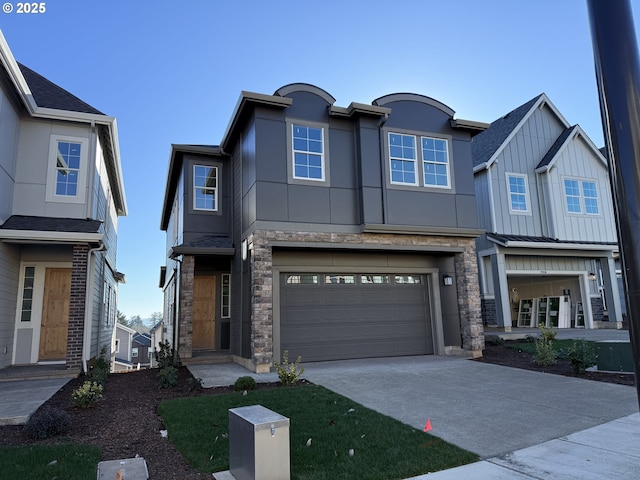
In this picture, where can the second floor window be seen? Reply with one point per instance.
(518, 196)
(205, 188)
(409, 163)
(308, 152)
(581, 196)
(67, 168)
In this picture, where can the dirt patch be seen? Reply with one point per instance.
(125, 423)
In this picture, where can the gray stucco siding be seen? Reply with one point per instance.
(271, 150)
(418, 116)
(309, 106)
(342, 158)
(369, 151)
(421, 208)
(460, 161)
(309, 204)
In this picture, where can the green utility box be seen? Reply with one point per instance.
(614, 356)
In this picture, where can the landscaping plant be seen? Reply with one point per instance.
(289, 373)
(99, 372)
(581, 355)
(48, 422)
(87, 395)
(168, 374)
(545, 353)
(244, 383)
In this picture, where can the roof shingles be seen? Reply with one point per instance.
(49, 95)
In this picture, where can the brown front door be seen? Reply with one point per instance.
(55, 314)
(204, 312)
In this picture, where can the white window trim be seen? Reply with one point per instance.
(581, 197)
(416, 161)
(325, 161)
(137, 352)
(53, 171)
(419, 160)
(448, 164)
(527, 198)
(216, 188)
(117, 348)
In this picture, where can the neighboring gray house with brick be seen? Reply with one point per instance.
(61, 193)
(328, 232)
(545, 201)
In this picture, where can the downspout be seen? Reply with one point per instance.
(383, 170)
(88, 305)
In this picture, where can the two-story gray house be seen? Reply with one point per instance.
(61, 193)
(328, 232)
(545, 201)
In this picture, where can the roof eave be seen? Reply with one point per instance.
(246, 99)
(40, 236)
(553, 245)
(177, 251)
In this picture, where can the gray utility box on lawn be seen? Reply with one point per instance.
(258, 444)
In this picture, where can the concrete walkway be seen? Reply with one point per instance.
(19, 399)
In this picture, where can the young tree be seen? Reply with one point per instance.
(122, 318)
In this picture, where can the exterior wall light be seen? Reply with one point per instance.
(592, 276)
(447, 280)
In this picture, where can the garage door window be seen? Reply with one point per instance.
(373, 279)
(346, 279)
(411, 279)
(302, 279)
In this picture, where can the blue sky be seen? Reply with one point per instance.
(172, 72)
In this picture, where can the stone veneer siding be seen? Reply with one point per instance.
(262, 281)
(185, 325)
(75, 330)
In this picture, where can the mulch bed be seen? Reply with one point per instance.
(125, 422)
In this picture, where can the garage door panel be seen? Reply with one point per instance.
(339, 321)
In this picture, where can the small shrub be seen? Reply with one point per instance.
(87, 395)
(289, 373)
(48, 422)
(168, 376)
(581, 355)
(244, 383)
(165, 356)
(99, 371)
(530, 339)
(194, 384)
(545, 353)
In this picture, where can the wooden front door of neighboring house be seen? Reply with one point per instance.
(55, 314)
(204, 312)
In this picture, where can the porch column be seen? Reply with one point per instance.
(610, 284)
(185, 320)
(466, 265)
(75, 330)
(261, 303)
(501, 291)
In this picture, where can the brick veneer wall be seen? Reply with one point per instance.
(185, 322)
(262, 281)
(75, 331)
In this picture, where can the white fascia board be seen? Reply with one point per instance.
(18, 80)
(554, 246)
(115, 148)
(36, 236)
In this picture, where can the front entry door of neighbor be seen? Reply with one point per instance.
(204, 312)
(55, 314)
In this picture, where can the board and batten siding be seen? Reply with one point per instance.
(483, 200)
(521, 156)
(577, 161)
(9, 274)
(548, 263)
(10, 122)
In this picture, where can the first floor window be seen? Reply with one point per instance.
(226, 295)
(517, 185)
(27, 293)
(117, 345)
(134, 352)
(205, 187)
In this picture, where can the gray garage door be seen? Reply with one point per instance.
(353, 315)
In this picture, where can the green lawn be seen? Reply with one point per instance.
(72, 462)
(384, 448)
